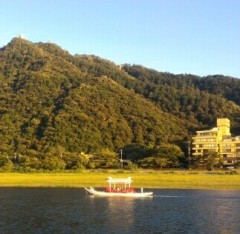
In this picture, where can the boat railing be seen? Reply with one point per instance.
(119, 190)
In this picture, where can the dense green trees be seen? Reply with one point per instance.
(208, 161)
(161, 156)
(54, 106)
(198, 100)
(5, 163)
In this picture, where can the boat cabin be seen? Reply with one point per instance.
(119, 185)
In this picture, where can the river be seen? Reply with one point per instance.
(70, 210)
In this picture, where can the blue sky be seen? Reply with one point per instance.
(200, 37)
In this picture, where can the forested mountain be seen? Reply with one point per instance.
(50, 98)
(199, 100)
(52, 101)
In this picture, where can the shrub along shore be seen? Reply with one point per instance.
(141, 178)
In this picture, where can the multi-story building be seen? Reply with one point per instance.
(219, 140)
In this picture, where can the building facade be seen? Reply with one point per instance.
(218, 140)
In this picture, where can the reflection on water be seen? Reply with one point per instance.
(65, 210)
(118, 213)
(123, 206)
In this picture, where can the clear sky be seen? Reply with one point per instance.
(200, 37)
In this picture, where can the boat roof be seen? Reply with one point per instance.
(119, 180)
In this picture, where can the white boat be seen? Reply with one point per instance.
(119, 187)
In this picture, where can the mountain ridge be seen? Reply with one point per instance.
(51, 99)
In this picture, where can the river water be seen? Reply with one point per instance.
(70, 210)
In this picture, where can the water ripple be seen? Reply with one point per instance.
(70, 210)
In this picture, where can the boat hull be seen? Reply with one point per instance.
(92, 191)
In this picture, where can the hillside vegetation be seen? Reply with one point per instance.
(199, 100)
(55, 105)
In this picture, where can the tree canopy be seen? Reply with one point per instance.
(54, 103)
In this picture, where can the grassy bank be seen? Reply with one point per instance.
(146, 179)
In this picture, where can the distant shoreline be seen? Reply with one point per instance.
(146, 179)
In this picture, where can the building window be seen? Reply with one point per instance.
(226, 150)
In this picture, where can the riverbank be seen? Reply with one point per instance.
(147, 179)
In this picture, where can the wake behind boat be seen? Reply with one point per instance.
(119, 187)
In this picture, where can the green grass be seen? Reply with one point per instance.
(141, 178)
